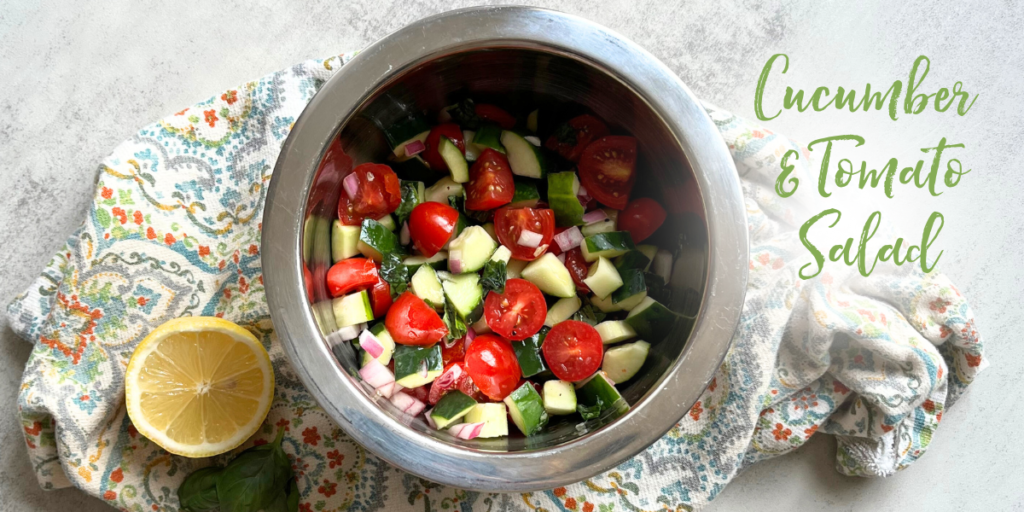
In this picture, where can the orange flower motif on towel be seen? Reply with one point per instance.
(780, 433)
(230, 97)
(211, 117)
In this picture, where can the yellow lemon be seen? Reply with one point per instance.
(199, 386)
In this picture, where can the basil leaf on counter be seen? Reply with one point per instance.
(198, 493)
(254, 479)
(287, 500)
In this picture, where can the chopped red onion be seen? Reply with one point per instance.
(376, 374)
(466, 431)
(423, 369)
(530, 239)
(455, 261)
(594, 216)
(470, 336)
(351, 184)
(448, 377)
(404, 236)
(408, 403)
(569, 239)
(430, 421)
(350, 332)
(663, 264)
(387, 390)
(371, 344)
(415, 147)
(561, 257)
(533, 140)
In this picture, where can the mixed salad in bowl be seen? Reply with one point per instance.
(487, 275)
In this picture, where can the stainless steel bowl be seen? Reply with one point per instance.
(516, 56)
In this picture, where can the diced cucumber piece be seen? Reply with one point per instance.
(453, 405)
(465, 292)
(469, 251)
(559, 397)
(493, 416)
(614, 331)
(526, 194)
(386, 341)
(416, 366)
(531, 120)
(650, 251)
(531, 362)
(344, 241)
(405, 130)
(388, 222)
(599, 390)
(444, 275)
(651, 320)
(456, 161)
(524, 158)
(400, 154)
(609, 245)
(604, 226)
(634, 259)
(562, 189)
(488, 136)
(472, 150)
(562, 310)
(437, 261)
(413, 194)
(550, 275)
(527, 409)
(376, 240)
(481, 327)
(489, 228)
(352, 309)
(605, 305)
(602, 278)
(502, 254)
(514, 268)
(633, 289)
(427, 286)
(621, 363)
(444, 188)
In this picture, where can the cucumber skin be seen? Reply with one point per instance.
(405, 129)
(654, 322)
(489, 136)
(531, 362)
(610, 241)
(600, 391)
(457, 165)
(453, 405)
(567, 207)
(538, 155)
(526, 404)
(632, 259)
(633, 284)
(526, 193)
(407, 360)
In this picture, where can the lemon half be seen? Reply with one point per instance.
(199, 386)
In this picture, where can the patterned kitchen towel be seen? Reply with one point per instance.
(174, 230)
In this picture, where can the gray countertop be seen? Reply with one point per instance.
(78, 78)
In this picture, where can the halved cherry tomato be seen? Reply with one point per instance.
(495, 115)
(431, 225)
(454, 376)
(577, 266)
(493, 366)
(490, 182)
(555, 249)
(411, 321)
(509, 223)
(573, 350)
(642, 217)
(432, 155)
(351, 274)
(454, 350)
(380, 296)
(378, 194)
(608, 170)
(573, 137)
(518, 313)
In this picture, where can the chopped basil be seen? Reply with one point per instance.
(395, 273)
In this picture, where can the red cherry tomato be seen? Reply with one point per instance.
(608, 170)
(421, 393)
(555, 249)
(577, 266)
(571, 140)
(509, 223)
(431, 225)
(307, 276)
(411, 321)
(380, 296)
(490, 182)
(432, 154)
(573, 350)
(642, 217)
(378, 194)
(495, 115)
(351, 274)
(454, 350)
(518, 313)
(493, 366)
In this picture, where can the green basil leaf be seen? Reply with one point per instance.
(455, 323)
(464, 114)
(253, 479)
(494, 276)
(657, 289)
(589, 314)
(395, 273)
(287, 500)
(565, 134)
(198, 493)
(410, 198)
(589, 413)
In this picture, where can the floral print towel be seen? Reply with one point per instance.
(174, 230)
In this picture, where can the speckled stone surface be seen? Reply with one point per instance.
(77, 78)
